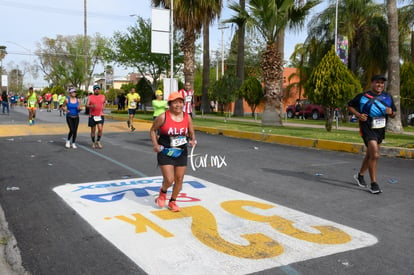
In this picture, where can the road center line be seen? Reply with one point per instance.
(136, 172)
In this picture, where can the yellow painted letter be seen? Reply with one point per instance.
(141, 223)
(327, 235)
(204, 228)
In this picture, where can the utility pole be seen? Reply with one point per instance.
(85, 36)
(171, 45)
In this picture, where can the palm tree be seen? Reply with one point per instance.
(364, 23)
(212, 13)
(269, 18)
(303, 70)
(394, 125)
(406, 31)
(238, 106)
(189, 16)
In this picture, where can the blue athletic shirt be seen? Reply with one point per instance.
(375, 106)
(72, 108)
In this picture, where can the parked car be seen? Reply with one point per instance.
(411, 119)
(306, 109)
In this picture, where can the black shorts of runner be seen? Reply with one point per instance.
(166, 160)
(368, 133)
(132, 111)
(92, 121)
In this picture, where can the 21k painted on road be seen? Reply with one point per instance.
(218, 229)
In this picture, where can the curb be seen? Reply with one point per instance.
(356, 148)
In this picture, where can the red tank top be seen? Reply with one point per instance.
(172, 128)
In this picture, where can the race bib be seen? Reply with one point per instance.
(177, 141)
(133, 104)
(97, 118)
(378, 122)
(188, 98)
(32, 102)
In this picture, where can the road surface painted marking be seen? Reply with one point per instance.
(138, 173)
(219, 230)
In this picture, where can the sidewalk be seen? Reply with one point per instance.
(291, 124)
(356, 148)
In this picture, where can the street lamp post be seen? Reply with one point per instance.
(217, 64)
(222, 48)
(336, 24)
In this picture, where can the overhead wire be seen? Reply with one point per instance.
(62, 11)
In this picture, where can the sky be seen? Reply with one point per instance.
(25, 22)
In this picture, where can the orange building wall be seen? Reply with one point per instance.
(288, 98)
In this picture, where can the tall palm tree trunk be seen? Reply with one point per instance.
(238, 106)
(394, 125)
(280, 40)
(188, 48)
(412, 46)
(272, 66)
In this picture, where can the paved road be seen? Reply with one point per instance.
(54, 237)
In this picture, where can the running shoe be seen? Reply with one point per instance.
(30, 122)
(173, 206)
(375, 189)
(128, 123)
(360, 180)
(132, 128)
(93, 145)
(99, 145)
(74, 146)
(160, 201)
(33, 122)
(67, 145)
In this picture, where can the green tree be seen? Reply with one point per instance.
(111, 95)
(62, 59)
(251, 59)
(57, 90)
(407, 91)
(132, 49)
(252, 91)
(269, 17)
(224, 91)
(364, 23)
(240, 21)
(331, 84)
(303, 70)
(406, 31)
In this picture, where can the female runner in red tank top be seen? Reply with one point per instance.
(175, 131)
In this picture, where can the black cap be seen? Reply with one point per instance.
(31, 88)
(378, 77)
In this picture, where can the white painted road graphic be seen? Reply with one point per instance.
(219, 230)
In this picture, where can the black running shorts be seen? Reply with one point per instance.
(92, 121)
(166, 160)
(371, 134)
